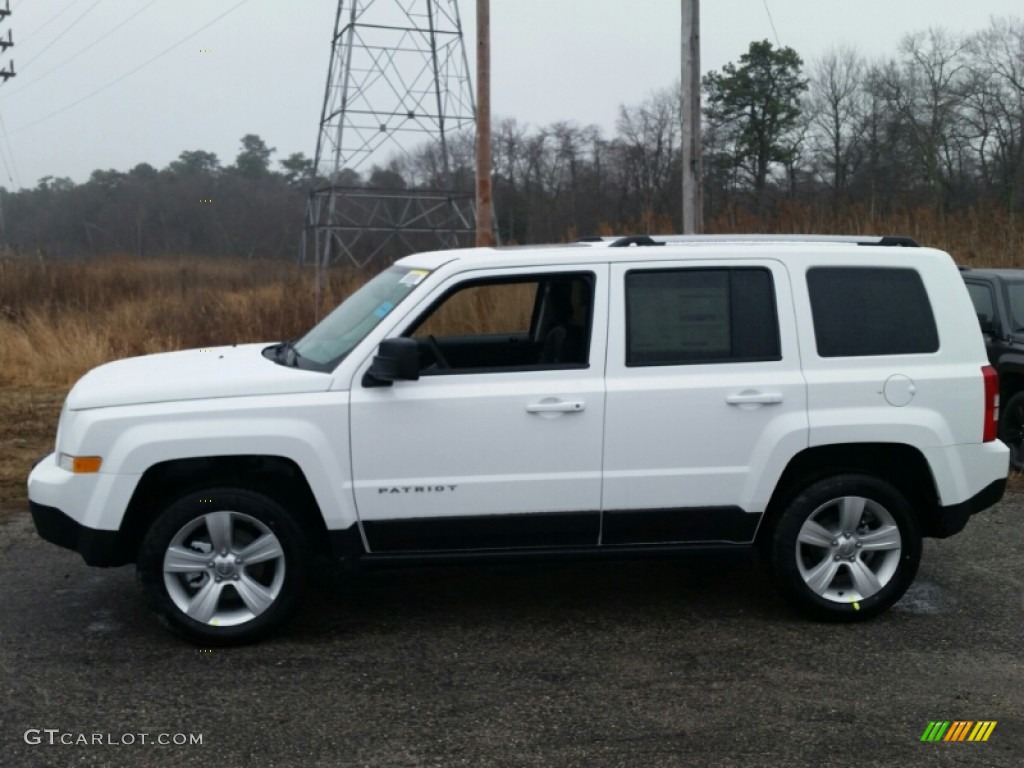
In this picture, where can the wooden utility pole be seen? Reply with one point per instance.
(693, 197)
(484, 202)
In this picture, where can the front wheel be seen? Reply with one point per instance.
(846, 548)
(223, 566)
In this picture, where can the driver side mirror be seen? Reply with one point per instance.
(988, 325)
(396, 360)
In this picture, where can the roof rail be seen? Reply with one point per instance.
(625, 242)
(648, 240)
(897, 241)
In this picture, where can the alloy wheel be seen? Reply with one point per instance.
(848, 549)
(224, 568)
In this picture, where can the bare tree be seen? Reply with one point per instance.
(648, 143)
(836, 103)
(994, 105)
(508, 163)
(923, 88)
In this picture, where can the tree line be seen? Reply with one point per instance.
(939, 126)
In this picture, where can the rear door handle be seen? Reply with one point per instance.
(557, 406)
(747, 396)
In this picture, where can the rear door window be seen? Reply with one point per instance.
(687, 316)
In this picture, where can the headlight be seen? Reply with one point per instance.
(79, 464)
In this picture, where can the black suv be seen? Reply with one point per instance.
(998, 296)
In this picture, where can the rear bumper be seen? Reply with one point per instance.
(100, 548)
(952, 519)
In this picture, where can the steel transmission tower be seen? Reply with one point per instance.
(398, 81)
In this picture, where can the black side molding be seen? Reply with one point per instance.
(698, 525)
(427, 534)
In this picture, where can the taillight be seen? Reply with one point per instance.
(991, 403)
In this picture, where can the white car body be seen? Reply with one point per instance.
(601, 456)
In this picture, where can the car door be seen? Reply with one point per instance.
(498, 444)
(705, 394)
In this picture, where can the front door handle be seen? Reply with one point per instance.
(556, 406)
(749, 396)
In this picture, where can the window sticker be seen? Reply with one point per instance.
(383, 309)
(414, 276)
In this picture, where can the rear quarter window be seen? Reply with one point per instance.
(866, 311)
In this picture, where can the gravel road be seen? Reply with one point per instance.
(656, 663)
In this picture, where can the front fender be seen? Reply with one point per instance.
(309, 429)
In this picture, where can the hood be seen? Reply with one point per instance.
(192, 374)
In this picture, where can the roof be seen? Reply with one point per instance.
(666, 247)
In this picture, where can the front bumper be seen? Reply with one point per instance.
(102, 548)
(74, 511)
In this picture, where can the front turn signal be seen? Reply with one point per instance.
(80, 464)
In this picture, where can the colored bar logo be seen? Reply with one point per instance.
(958, 730)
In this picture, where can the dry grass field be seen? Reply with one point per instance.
(59, 319)
(28, 425)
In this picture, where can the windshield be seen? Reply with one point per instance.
(335, 336)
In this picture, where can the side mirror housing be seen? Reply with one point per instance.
(396, 360)
(988, 325)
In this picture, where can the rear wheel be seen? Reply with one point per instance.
(846, 548)
(223, 566)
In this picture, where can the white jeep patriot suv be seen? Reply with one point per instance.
(827, 400)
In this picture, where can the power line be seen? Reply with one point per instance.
(58, 37)
(84, 50)
(772, 22)
(3, 157)
(132, 72)
(48, 22)
(16, 179)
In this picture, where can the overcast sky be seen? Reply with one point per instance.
(266, 66)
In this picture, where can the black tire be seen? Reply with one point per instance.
(1011, 429)
(800, 557)
(272, 581)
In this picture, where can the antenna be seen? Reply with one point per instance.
(398, 82)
